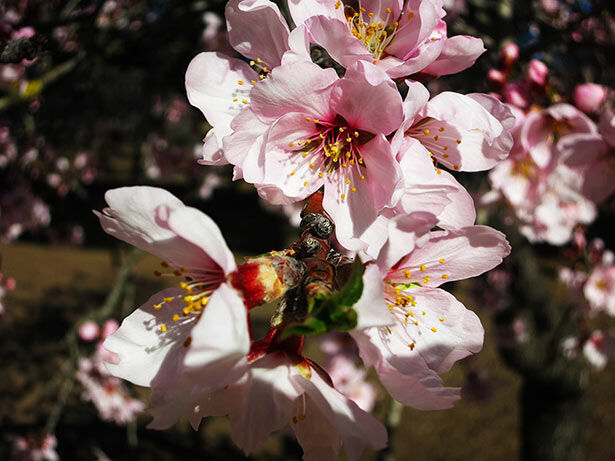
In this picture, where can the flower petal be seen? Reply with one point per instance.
(256, 29)
(458, 53)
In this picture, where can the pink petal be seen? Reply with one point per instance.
(297, 87)
(363, 94)
(302, 10)
(370, 307)
(201, 231)
(412, 32)
(414, 62)
(256, 29)
(212, 85)
(355, 427)
(137, 215)
(458, 53)
(147, 355)
(333, 35)
(454, 255)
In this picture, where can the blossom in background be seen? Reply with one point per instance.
(192, 344)
(6, 284)
(543, 191)
(29, 449)
(432, 330)
(220, 86)
(589, 97)
(599, 289)
(402, 38)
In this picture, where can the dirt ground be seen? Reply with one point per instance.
(59, 286)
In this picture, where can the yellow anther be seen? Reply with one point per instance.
(416, 323)
(458, 141)
(445, 155)
(423, 313)
(304, 155)
(426, 279)
(348, 139)
(240, 82)
(305, 184)
(341, 129)
(423, 268)
(348, 154)
(258, 60)
(186, 310)
(389, 10)
(445, 148)
(397, 290)
(291, 144)
(444, 276)
(252, 63)
(322, 136)
(442, 319)
(157, 306)
(163, 328)
(360, 160)
(370, 14)
(434, 329)
(204, 301)
(407, 274)
(456, 167)
(320, 175)
(439, 171)
(188, 299)
(410, 15)
(353, 189)
(343, 196)
(436, 137)
(441, 129)
(261, 76)
(292, 173)
(441, 260)
(167, 300)
(175, 318)
(309, 119)
(312, 165)
(308, 141)
(344, 166)
(362, 178)
(426, 132)
(338, 4)
(316, 120)
(411, 346)
(362, 10)
(253, 82)
(356, 134)
(245, 101)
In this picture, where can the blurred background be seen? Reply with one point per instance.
(92, 97)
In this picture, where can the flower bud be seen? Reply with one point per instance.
(516, 95)
(496, 78)
(509, 55)
(589, 96)
(89, 330)
(109, 327)
(537, 72)
(266, 278)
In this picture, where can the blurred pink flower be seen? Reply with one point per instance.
(589, 96)
(28, 449)
(89, 331)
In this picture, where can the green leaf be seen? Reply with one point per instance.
(310, 327)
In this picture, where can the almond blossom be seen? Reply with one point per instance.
(402, 38)
(220, 85)
(192, 344)
(544, 192)
(306, 128)
(599, 289)
(433, 330)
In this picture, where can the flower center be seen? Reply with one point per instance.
(333, 149)
(375, 35)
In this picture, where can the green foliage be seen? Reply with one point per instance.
(332, 312)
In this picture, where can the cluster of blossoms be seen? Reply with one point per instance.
(30, 449)
(592, 284)
(25, 171)
(384, 225)
(108, 394)
(560, 167)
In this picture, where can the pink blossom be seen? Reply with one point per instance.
(516, 94)
(599, 289)
(432, 330)
(599, 348)
(106, 392)
(589, 96)
(109, 327)
(28, 449)
(462, 132)
(305, 128)
(402, 38)
(89, 331)
(192, 345)
(537, 73)
(509, 55)
(350, 381)
(220, 86)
